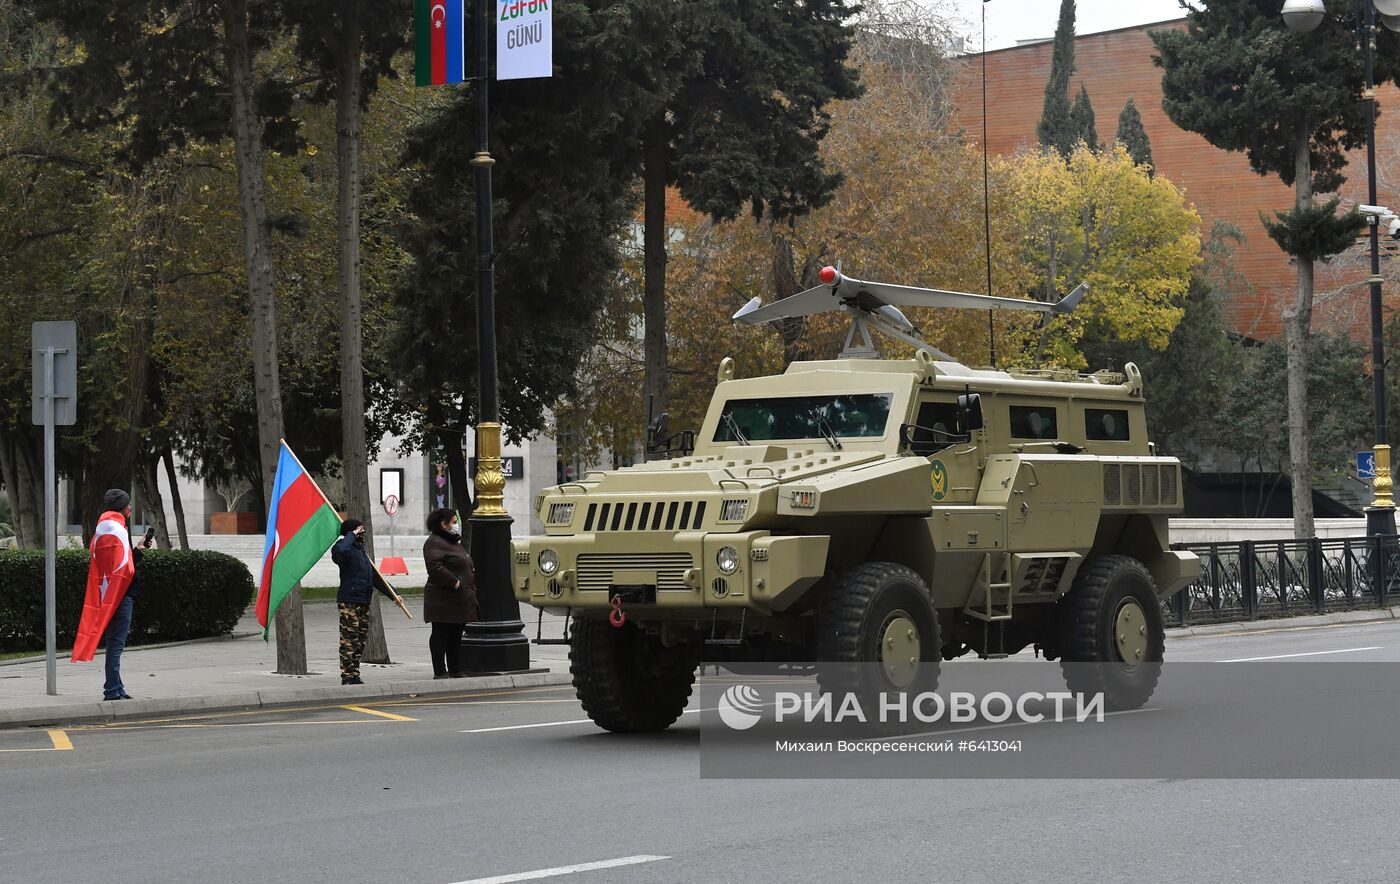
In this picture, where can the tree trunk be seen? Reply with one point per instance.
(1297, 323)
(786, 284)
(654, 252)
(175, 503)
(262, 294)
(352, 374)
(152, 506)
(24, 485)
(451, 442)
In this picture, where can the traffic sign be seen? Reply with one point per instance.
(391, 505)
(55, 371)
(1365, 465)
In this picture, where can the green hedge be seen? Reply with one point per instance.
(184, 594)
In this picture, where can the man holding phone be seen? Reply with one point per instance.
(118, 501)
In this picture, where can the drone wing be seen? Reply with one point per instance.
(814, 300)
(911, 296)
(839, 290)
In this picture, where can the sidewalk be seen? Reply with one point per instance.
(240, 672)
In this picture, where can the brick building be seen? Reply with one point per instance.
(1117, 65)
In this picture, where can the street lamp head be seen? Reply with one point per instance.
(1305, 15)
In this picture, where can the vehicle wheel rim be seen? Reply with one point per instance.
(899, 649)
(1130, 632)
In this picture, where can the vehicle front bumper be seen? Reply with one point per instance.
(669, 575)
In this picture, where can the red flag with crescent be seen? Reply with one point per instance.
(110, 572)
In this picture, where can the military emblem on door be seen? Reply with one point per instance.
(938, 476)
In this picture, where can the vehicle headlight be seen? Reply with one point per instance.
(549, 562)
(727, 559)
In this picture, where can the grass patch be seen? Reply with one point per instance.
(16, 655)
(327, 593)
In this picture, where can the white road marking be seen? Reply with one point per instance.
(1307, 654)
(521, 727)
(568, 870)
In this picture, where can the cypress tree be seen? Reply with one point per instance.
(1134, 137)
(1294, 114)
(1056, 128)
(1082, 120)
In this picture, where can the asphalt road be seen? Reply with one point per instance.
(510, 782)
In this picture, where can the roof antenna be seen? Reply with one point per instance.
(986, 193)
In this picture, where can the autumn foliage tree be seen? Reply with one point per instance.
(1103, 220)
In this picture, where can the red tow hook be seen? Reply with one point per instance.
(617, 618)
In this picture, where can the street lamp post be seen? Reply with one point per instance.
(495, 643)
(1304, 16)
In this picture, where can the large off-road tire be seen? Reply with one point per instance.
(878, 615)
(627, 680)
(1111, 618)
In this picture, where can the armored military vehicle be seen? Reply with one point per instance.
(895, 512)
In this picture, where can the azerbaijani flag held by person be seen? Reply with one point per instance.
(110, 572)
(439, 47)
(301, 526)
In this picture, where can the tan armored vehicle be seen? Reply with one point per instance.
(893, 512)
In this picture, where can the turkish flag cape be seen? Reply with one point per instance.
(110, 573)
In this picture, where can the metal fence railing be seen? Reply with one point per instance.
(1254, 579)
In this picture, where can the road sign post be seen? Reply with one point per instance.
(55, 403)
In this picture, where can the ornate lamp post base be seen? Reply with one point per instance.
(497, 642)
(1380, 517)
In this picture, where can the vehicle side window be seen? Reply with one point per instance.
(1033, 422)
(1106, 424)
(937, 427)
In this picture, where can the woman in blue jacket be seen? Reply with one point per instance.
(358, 578)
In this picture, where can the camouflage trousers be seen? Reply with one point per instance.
(354, 632)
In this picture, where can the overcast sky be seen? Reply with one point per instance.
(1012, 20)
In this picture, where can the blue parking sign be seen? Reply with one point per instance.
(1365, 465)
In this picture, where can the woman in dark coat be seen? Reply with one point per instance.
(449, 598)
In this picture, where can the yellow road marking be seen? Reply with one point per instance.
(285, 709)
(59, 739)
(427, 700)
(192, 725)
(491, 702)
(389, 715)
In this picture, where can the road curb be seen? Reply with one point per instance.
(64, 652)
(1312, 621)
(121, 710)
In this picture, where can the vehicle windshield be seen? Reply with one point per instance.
(847, 415)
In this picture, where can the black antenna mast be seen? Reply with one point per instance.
(986, 193)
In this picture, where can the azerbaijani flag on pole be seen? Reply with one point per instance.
(301, 526)
(439, 47)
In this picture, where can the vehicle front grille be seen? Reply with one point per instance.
(595, 570)
(1141, 484)
(674, 515)
(1112, 484)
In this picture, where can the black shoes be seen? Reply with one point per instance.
(122, 696)
(443, 675)
(355, 680)
(458, 675)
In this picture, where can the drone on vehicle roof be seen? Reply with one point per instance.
(876, 305)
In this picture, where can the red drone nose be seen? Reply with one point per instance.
(828, 275)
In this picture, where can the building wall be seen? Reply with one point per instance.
(1117, 65)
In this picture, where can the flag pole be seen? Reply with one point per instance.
(398, 600)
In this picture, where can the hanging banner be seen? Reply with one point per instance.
(439, 42)
(524, 39)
